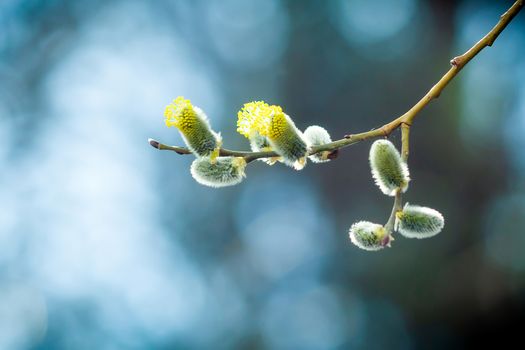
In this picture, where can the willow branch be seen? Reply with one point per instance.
(407, 118)
(223, 152)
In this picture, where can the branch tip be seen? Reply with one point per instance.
(154, 143)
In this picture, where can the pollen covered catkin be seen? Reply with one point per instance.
(317, 136)
(389, 171)
(369, 236)
(194, 127)
(287, 141)
(225, 171)
(419, 222)
(269, 128)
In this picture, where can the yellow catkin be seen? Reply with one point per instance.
(194, 128)
(262, 123)
(254, 117)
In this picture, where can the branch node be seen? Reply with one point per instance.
(457, 61)
(333, 155)
(386, 131)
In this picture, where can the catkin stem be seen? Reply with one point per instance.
(389, 226)
(398, 200)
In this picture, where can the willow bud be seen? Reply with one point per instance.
(258, 119)
(390, 172)
(369, 236)
(225, 171)
(317, 136)
(194, 127)
(419, 222)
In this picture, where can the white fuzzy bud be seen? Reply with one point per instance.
(224, 171)
(390, 172)
(419, 222)
(317, 136)
(369, 236)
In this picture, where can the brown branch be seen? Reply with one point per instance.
(407, 119)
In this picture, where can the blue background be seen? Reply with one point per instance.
(107, 243)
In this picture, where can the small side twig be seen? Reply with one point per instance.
(398, 200)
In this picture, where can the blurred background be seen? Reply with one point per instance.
(107, 243)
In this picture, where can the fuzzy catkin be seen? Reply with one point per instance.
(194, 128)
(389, 171)
(225, 171)
(317, 136)
(369, 236)
(268, 124)
(419, 222)
(287, 141)
(200, 138)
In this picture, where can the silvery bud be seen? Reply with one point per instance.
(419, 222)
(317, 136)
(390, 172)
(369, 236)
(225, 171)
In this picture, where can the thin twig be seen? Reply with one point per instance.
(398, 200)
(389, 226)
(405, 142)
(457, 63)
